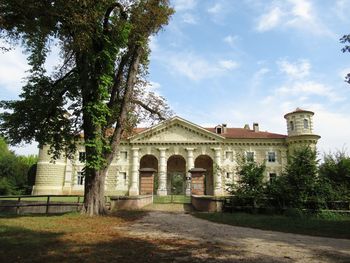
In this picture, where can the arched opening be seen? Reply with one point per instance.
(205, 161)
(150, 161)
(176, 172)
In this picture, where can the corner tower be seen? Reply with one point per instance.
(300, 128)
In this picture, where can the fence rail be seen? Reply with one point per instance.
(12, 201)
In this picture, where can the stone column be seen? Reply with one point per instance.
(217, 172)
(190, 165)
(134, 188)
(162, 176)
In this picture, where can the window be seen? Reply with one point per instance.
(306, 124)
(124, 155)
(250, 156)
(218, 130)
(291, 123)
(272, 177)
(80, 178)
(271, 157)
(122, 178)
(228, 175)
(82, 157)
(229, 155)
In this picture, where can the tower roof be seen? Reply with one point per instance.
(298, 110)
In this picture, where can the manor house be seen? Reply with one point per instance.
(173, 147)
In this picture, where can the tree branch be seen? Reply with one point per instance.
(108, 14)
(149, 109)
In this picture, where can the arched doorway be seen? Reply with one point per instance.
(176, 172)
(205, 161)
(150, 161)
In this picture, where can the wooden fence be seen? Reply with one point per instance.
(22, 201)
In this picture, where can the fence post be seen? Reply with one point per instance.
(78, 203)
(47, 204)
(18, 205)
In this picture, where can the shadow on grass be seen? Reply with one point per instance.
(129, 215)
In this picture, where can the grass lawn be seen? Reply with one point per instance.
(76, 238)
(166, 199)
(337, 228)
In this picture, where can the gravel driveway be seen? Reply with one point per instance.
(204, 241)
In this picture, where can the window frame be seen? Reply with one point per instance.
(274, 157)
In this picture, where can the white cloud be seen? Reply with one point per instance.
(189, 19)
(13, 65)
(308, 88)
(299, 14)
(27, 149)
(215, 9)
(302, 9)
(258, 76)
(196, 67)
(228, 64)
(326, 122)
(297, 70)
(342, 9)
(270, 20)
(231, 40)
(181, 5)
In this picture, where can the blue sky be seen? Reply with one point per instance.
(244, 61)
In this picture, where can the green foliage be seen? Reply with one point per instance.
(335, 170)
(14, 171)
(104, 47)
(329, 216)
(300, 186)
(250, 186)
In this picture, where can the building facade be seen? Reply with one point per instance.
(175, 146)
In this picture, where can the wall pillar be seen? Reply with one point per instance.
(134, 189)
(217, 172)
(190, 165)
(162, 175)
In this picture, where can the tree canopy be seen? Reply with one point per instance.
(99, 88)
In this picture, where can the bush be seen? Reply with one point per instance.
(328, 215)
(6, 187)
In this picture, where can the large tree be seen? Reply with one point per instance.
(97, 90)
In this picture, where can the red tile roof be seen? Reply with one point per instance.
(237, 133)
(298, 110)
(241, 133)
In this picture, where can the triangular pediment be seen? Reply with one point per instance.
(176, 129)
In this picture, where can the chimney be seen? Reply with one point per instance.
(246, 127)
(256, 127)
(224, 128)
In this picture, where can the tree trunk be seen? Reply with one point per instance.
(94, 201)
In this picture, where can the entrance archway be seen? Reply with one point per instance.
(205, 161)
(150, 161)
(176, 172)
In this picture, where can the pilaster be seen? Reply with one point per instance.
(134, 189)
(162, 172)
(217, 172)
(190, 165)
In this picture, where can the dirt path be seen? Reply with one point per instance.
(184, 238)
